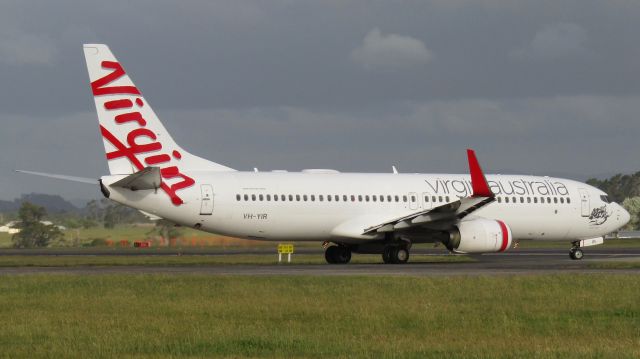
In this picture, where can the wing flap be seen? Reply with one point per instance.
(454, 211)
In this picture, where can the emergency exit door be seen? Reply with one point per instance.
(206, 206)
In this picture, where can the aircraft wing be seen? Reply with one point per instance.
(449, 212)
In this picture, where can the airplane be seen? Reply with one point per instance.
(379, 213)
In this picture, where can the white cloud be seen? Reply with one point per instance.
(554, 41)
(26, 49)
(390, 51)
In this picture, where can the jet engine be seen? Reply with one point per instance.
(479, 236)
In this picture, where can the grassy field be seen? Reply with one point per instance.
(151, 316)
(197, 260)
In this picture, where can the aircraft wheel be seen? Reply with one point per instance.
(330, 254)
(387, 255)
(576, 253)
(401, 255)
(337, 255)
(395, 255)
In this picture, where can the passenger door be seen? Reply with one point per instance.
(206, 206)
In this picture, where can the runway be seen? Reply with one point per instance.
(519, 262)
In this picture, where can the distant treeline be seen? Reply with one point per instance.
(619, 187)
(52, 203)
(96, 212)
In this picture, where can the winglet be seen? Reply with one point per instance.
(478, 180)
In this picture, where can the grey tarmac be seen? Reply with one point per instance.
(518, 262)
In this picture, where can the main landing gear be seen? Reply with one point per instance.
(337, 254)
(395, 254)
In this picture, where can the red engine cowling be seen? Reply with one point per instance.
(480, 236)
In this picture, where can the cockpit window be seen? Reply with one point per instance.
(604, 198)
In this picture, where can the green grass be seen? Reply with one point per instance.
(617, 264)
(197, 260)
(151, 316)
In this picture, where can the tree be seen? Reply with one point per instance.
(34, 233)
(166, 229)
(632, 205)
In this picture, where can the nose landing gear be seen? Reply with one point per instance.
(576, 253)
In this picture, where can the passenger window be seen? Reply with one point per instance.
(404, 198)
(568, 200)
(313, 198)
(447, 198)
(246, 197)
(388, 198)
(253, 197)
(237, 197)
(337, 198)
(261, 197)
(555, 199)
(535, 199)
(297, 198)
(381, 198)
(413, 198)
(548, 199)
(275, 197)
(290, 197)
(439, 198)
(283, 197)
(506, 200)
(304, 197)
(426, 198)
(321, 198)
(562, 200)
(374, 198)
(268, 197)
(528, 199)
(353, 198)
(433, 198)
(366, 198)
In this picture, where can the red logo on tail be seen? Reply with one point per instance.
(136, 143)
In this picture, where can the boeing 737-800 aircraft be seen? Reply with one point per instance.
(382, 213)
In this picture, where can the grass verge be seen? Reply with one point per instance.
(356, 317)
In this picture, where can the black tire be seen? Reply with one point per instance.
(343, 255)
(401, 255)
(387, 255)
(337, 255)
(330, 254)
(578, 254)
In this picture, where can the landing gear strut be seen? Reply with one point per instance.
(395, 254)
(337, 254)
(576, 253)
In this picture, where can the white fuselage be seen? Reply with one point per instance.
(332, 206)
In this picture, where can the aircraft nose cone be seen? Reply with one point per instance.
(625, 217)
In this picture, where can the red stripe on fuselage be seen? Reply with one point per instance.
(505, 235)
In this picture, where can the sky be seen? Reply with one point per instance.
(536, 87)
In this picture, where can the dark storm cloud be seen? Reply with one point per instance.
(546, 86)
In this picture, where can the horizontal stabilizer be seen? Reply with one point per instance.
(62, 177)
(150, 216)
(148, 178)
